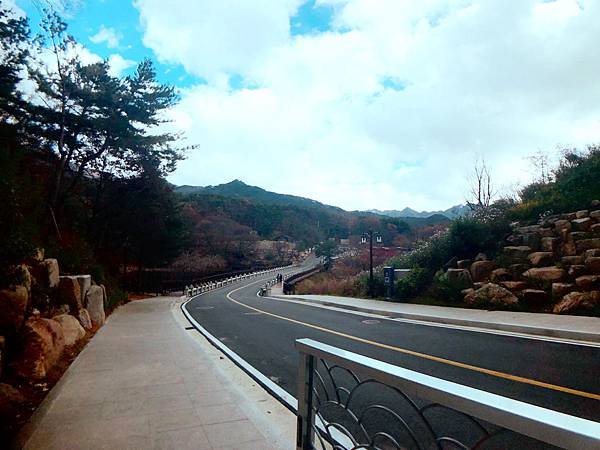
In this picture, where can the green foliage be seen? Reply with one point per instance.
(413, 284)
(446, 289)
(574, 184)
(326, 250)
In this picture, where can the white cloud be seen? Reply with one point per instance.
(109, 36)
(118, 64)
(495, 79)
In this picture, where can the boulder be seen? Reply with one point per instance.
(13, 303)
(51, 272)
(546, 233)
(72, 330)
(451, 263)
(491, 295)
(595, 214)
(44, 342)
(587, 282)
(534, 296)
(515, 239)
(577, 235)
(577, 302)
(595, 203)
(572, 260)
(69, 292)
(500, 274)
(459, 276)
(562, 225)
(592, 264)
(550, 244)
(83, 316)
(85, 281)
(514, 286)
(569, 216)
(516, 270)
(559, 290)
(532, 240)
(568, 247)
(582, 224)
(481, 270)
(464, 263)
(581, 214)
(94, 303)
(529, 229)
(595, 229)
(540, 259)
(10, 399)
(481, 257)
(519, 251)
(587, 244)
(593, 253)
(545, 273)
(576, 270)
(25, 277)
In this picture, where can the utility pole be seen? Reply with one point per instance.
(369, 235)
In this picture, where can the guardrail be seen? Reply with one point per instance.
(289, 282)
(349, 401)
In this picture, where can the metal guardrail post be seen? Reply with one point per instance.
(305, 432)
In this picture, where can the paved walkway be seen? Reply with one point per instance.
(552, 325)
(144, 382)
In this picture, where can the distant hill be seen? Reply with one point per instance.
(450, 213)
(240, 190)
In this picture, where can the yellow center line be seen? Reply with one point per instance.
(494, 373)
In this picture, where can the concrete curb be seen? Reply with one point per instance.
(498, 326)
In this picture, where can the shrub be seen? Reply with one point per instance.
(413, 284)
(446, 289)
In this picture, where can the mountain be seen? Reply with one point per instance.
(240, 190)
(451, 213)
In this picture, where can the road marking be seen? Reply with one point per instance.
(450, 362)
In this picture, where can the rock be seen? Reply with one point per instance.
(546, 233)
(592, 264)
(534, 296)
(39, 255)
(529, 229)
(582, 224)
(578, 235)
(491, 295)
(568, 248)
(501, 274)
(575, 270)
(2, 354)
(10, 399)
(514, 286)
(481, 270)
(559, 290)
(83, 316)
(577, 301)
(595, 229)
(464, 263)
(563, 225)
(595, 214)
(532, 240)
(451, 263)
(481, 257)
(459, 276)
(516, 270)
(571, 260)
(25, 278)
(595, 203)
(581, 214)
(69, 292)
(587, 282)
(478, 285)
(550, 244)
(94, 303)
(569, 216)
(51, 272)
(61, 309)
(593, 253)
(545, 273)
(13, 303)
(72, 330)
(515, 239)
(85, 281)
(44, 342)
(587, 244)
(468, 291)
(520, 251)
(540, 259)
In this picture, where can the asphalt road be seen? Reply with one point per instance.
(248, 325)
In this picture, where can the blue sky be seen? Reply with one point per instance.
(361, 103)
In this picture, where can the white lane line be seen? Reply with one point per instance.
(442, 325)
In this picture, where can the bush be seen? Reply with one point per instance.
(413, 284)
(448, 290)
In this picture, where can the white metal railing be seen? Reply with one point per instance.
(321, 364)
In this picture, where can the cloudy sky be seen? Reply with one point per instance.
(361, 103)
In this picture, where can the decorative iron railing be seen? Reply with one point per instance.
(349, 401)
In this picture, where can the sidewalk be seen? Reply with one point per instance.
(550, 325)
(144, 382)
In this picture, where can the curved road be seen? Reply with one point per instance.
(557, 375)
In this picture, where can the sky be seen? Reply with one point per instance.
(360, 103)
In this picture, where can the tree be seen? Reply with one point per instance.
(481, 189)
(92, 122)
(327, 250)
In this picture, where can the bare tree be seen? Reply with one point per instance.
(481, 187)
